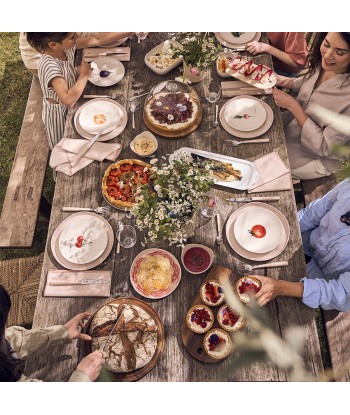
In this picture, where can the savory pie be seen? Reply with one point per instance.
(133, 341)
(121, 180)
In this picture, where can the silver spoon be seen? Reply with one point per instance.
(237, 143)
(133, 108)
(216, 122)
(247, 267)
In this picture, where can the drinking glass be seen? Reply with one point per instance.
(126, 236)
(141, 36)
(171, 34)
(212, 92)
(208, 211)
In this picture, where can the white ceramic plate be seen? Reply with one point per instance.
(242, 38)
(252, 255)
(247, 134)
(249, 172)
(162, 67)
(55, 246)
(106, 63)
(260, 219)
(245, 114)
(175, 279)
(235, 45)
(99, 110)
(83, 250)
(104, 137)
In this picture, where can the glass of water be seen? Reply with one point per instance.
(212, 92)
(126, 236)
(208, 211)
(141, 36)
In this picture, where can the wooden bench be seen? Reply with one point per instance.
(23, 198)
(336, 323)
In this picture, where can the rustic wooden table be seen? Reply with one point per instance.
(84, 189)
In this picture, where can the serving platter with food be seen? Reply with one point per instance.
(160, 59)
(227, 171)
(136, 342)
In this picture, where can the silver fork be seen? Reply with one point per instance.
(242, 268)
(216, 122)
(103, 210)
(237, 143)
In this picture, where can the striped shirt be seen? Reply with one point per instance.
(54, 114)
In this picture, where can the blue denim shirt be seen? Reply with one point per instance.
(327, 240)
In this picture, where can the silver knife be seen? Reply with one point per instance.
(254, 199)
(102, 349)
(81, 282)
(113, 96)
(85, 148)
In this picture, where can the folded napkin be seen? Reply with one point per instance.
(236, 88)
(77, 290)
(274, 174)
(67, 149)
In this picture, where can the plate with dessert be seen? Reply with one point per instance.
(121, 180)
(106, 71)
(258, 229)
(246, 116)
(227, 171)
(173, 112)
(155, 273)
(237, 40)
(136, 343)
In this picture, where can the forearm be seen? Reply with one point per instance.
(101, 39)
(290, 289)
(284, 82)
(283, 57)
(71, 96)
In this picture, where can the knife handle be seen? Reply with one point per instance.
(96, 96)
(257, 198)
(80, 155)
(272, 265)
(61, 284)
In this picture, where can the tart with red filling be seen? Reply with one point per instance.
(247, 287)
(121, 180)
(199, 318)
(212, 293)
(217, 343)
(229, 319)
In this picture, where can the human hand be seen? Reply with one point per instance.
(85, 69)
(256, 48)
(91, 364)
(73, 325)
(268, 291)
(282, 99)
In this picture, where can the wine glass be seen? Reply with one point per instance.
(212, 92)
(141, 36)
(126, 235)
(171, 34)
(208, 211)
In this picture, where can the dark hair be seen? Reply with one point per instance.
(8, 364)
(40, 40)
(315, 56)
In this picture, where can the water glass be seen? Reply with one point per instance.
(208, 211)
(126, 236)
(141, 36)
(212, 92)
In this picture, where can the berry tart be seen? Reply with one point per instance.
(217, 343)
(199, 318)
(229, 319)
(246, 287)
(212, 293)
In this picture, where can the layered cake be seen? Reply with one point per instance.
(217, 343)
(173, 112)
(133, 341)
(212, 293)
(229, 319)
(247, 287)
(199, 318)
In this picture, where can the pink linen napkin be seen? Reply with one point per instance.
(274, 174)
(67, 149)
(84, 290)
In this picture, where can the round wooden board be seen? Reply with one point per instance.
(193, 341)
(177, 134)
(142, 371)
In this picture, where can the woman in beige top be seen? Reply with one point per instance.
(310, 140)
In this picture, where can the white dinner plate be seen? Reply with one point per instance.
(115, 43)
(106, 63)
(107, 136)
(253, 256)
(97, 115)
(245, 114)
(247, 229)
(242, 38)
(83, 240)
(235, 45)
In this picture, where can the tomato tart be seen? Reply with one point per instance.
(121, 180)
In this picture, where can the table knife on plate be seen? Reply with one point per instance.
(81, 282)
(102, 349)
(254, 199)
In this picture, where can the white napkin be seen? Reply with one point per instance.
(274, 174)
(67, 149)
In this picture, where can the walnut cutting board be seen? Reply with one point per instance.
(142, 371)
(193, 341)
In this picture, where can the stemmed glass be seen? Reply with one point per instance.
(141, 36)
(212, 92)
(208, 211)
(126, 235)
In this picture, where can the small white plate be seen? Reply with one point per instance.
(106, 63)
(264, 220)
(242, 38)
(245, 114)
(99, 110)
(83, 241)
(148, 135)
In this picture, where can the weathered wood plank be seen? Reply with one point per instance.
(23, 195)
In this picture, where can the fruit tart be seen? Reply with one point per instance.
(199, 318)
(247, 287)
(217, 343)
(212, 293)
(229, 319)
(121, 180)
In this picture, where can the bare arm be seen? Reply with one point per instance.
(101, 39)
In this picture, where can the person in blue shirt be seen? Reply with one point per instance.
(325, 230)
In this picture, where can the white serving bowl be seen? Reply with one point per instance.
(89, 115)
(205, 248)
(149, 136)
